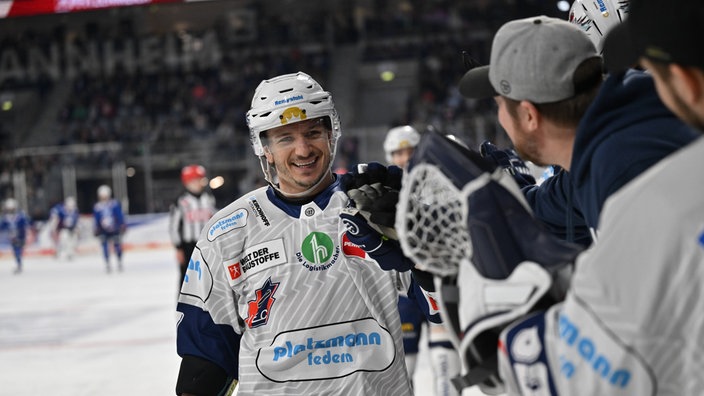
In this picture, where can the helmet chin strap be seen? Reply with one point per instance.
(268, 176)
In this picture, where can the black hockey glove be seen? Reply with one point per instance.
(374, 189)
(385, 251)
(510, 161)
(371, 173)
(198, 376)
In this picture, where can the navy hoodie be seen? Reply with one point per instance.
(626, 130)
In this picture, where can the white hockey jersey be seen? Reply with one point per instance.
(632, 323)
(312, 314)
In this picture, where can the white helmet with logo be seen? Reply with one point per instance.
(597, 17)
(285, 100)
(399, 138)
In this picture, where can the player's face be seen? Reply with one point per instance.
(524, 144)
(301, 155)
(400, 157)
(670, 90)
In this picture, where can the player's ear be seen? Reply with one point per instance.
(689, 82)
(269, 156)
(528, 116)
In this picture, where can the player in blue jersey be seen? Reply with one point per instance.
(109, 225)
(64, 217)
(15, 223)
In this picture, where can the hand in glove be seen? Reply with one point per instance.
(510, 161)
(371, 173)
(374, 189)
(385, 251)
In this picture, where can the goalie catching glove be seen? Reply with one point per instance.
(464, 219)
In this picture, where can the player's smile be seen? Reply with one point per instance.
(307, 165)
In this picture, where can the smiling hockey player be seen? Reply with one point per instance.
(278, 295)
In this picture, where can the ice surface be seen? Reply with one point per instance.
(69, 328)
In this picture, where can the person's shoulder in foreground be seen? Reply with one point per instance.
(640, 341)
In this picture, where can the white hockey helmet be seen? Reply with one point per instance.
(398, 138)
(70, 203)
(10, 205)
(284, 100)
(597, 17)
(104, 191)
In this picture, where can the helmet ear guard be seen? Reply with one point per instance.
(467, 222)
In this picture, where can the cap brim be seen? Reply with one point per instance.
(619, 51)
(475, 84)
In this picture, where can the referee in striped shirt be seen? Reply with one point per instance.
(188, 215)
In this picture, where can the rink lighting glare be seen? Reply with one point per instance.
(130, 171)
(563, 6)
(387, 75)
(217, 182)
(7, 105)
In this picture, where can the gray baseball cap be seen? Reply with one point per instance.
(532, 59)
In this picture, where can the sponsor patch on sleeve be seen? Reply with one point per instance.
(234, 220)
(254, 259)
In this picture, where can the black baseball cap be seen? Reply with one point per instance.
(666, 31)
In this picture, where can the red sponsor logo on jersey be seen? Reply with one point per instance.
(350, 249)
(235, 270)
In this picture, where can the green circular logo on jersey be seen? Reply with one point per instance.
(317, 247)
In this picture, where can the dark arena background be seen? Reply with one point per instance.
(93, 93)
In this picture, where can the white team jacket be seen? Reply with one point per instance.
(315, 314)
(633, 321)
